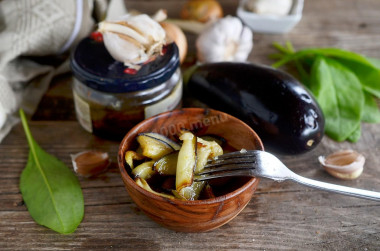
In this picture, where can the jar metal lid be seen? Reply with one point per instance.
(93, 66)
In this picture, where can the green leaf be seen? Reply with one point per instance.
(375, 62)
(340, 96)
(327, 52)
(371, 113)
(355, 136)
(368, 75)
(367, 70)
(50, 190)
(281, 48)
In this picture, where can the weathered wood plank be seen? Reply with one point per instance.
(280, 216)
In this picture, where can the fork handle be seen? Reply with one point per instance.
(365, 194)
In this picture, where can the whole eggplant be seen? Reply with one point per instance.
(283, 113)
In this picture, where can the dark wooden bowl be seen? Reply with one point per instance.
(198, 215)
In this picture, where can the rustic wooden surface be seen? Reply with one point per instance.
(279, 216)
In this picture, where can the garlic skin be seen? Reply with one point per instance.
(133, 40)
(344, 164)
(224, 40)
(89, 163)
(269, 7)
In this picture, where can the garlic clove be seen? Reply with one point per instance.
(122, 28)
(344, 164)
(269, 7)
(224, 40)
(90, 163)
(160, 15)
(133, 40)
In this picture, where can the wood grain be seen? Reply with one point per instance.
(280, 216)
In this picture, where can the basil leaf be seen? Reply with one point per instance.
(340, 96)
(50, 190)
(371, 113)
(355, 136)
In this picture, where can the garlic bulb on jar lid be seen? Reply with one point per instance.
(133, 40)
(224, 40)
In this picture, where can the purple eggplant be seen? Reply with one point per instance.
(282, 112)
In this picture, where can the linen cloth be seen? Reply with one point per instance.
(33, 29)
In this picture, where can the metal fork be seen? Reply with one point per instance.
(265, 165)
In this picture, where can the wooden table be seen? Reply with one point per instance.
(279, 216)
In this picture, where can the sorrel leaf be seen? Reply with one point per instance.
(355, 136)
(366, 71)
(339, 93)
(371, 112)
(51, 192)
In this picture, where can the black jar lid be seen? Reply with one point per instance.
(93, 66)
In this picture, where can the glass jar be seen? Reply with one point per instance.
(111, 98)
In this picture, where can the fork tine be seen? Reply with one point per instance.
(227, 167)
(228, 173)
(230, 162)
(232, 158)
(238, 154)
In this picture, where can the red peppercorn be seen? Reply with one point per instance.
(164, 50)
(130, 71)
(97, 36)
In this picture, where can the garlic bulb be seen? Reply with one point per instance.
(224, 40)
(269, 7)
(345, 164)
(133, 39)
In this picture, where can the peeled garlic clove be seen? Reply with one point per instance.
(269, 7)
(344, 164)
(224, 40)
(90, 163)
(133, 40)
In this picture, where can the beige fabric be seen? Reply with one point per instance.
(36, 28)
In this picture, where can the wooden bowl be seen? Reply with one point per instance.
(198, 215)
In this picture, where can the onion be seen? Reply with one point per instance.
(175, 34)
(202, 10)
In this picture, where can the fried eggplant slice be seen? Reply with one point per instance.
(216, 149)
(161, 137)
(144, 170)
(187, 160)
(131, 156)
(191, 192)
(153, 148)
(203, 153)
(219, 140)
(167, 165)
(142, 183)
